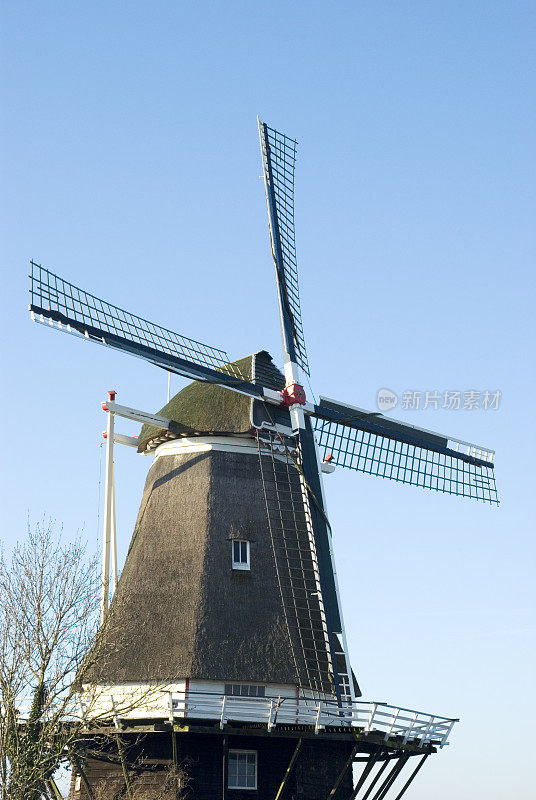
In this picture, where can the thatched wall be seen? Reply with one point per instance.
(180, 609)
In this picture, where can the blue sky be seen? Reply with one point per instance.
(130, 166)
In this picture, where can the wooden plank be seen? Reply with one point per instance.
(372, 738)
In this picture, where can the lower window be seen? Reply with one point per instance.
(242, 769)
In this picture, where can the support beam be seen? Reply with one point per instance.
(376, 779)
(343, 772)
(130, 441)
(124, 767)
(138, 416)
(77, 764)
(412, 776)
(225, 767)
(175, 749)
(53, 789)
(391, 777)
(288, 773)
(373, 757)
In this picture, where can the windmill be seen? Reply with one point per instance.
(229, 600)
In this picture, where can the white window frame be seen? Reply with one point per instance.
(240, 564)
(240, 693)
(242, 752)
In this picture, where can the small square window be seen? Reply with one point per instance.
(242, 769)
(240, 554)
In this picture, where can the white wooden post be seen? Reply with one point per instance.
(222, 715)
(318, 724)
(447, 733)
(108, 506)
(270, 712)
(410, 729)
(371, 717)
(426, 733)
(390, 728)
(115, 717)
(114, 536)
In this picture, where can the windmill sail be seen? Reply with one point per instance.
(371, 443)
(297, 567)
(279, 158)
(300, 535)
(54, 299)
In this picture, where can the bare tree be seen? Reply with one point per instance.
(49, 602)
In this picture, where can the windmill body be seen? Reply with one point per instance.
(219, 602)
(227, 566)
(223, 651)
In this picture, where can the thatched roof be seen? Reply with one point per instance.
(201, 408)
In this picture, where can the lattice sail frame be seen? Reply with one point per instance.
(296, 564)
(279, 160)
(58, 300)
(376, 454)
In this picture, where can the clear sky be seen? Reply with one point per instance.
(130, 165)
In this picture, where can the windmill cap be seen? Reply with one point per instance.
(206, 409)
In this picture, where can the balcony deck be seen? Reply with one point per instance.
(390, 721)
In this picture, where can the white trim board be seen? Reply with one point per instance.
(203, 444)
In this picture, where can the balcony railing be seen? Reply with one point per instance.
(391, 721)
(396, 724)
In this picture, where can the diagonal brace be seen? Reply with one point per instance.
(288, 773)
(342, 773)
